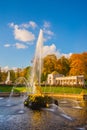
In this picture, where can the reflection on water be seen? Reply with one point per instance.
(16, 118)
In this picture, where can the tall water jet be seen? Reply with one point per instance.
(8, 78)
(37, 63)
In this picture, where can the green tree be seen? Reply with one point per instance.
(3, 76)
(12, 75)
(27, 72)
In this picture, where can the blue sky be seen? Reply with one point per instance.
(64, 23)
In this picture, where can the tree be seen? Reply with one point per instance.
(77, 66)
(17, 74)
(24, 72)
(49, 65)
(12, 75)
(27, 72)
(3, 76)
(84, 54)
(62, 66)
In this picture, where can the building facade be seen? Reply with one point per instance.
(65, 80)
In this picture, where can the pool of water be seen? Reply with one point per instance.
(70, 115)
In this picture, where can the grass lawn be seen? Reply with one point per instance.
(5, 88)
(8, 88)
(64, 90)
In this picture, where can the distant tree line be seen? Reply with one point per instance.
(25, 72)
(76, 64)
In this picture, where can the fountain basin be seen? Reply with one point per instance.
(6, 94)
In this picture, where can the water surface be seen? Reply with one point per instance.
(17, 117)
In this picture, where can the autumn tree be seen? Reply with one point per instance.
(84, 55)
(62, 66)
(77, 64)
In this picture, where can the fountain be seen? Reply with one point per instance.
(37, 99)
(19, 81)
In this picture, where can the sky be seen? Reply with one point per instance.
(64, 25)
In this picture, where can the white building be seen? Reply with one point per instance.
(65, 80)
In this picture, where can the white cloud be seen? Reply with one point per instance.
(6, 68)
(47, 35)
(48, 32)
(46, 29)
(7, 45)
(31, 24)
(46, 24)
(59, 54)
(20, 46)
(66, 55)
(13, 25)
(47, 50)
(23, 35)
(17, 45)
